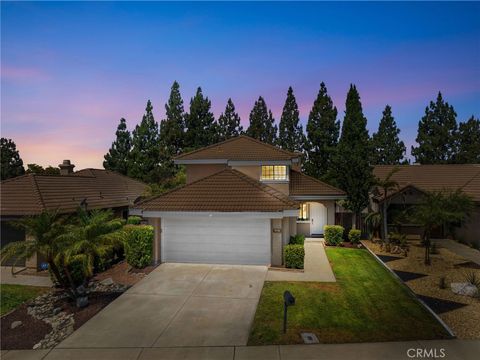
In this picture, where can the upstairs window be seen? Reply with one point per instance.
(275, 172)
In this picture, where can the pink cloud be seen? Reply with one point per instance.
(22, 73)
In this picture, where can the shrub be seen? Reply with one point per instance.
(139, 245)
(294, 256)
(76, 268)
(297, 239)
(333, 234)
(354, 236)
(134, 220)
(105, 258)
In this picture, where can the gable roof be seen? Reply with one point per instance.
(225, 191)
(31, 194)
(435, 177)
(240, 148)
(304, 185)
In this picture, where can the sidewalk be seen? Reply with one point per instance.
(427, 349)
(22, 279)
(317, 266)
(459, 249)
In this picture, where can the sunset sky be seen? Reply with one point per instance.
(70, 71)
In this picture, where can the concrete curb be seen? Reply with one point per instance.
(445, 326)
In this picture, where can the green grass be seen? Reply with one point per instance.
(366, 304)
(12, 296)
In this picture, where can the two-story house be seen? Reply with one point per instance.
(242, 202)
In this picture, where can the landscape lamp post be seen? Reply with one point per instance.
(288, 300)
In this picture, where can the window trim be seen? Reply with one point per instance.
(274, 177)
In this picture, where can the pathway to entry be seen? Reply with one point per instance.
(460, 249)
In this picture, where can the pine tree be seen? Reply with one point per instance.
(291, 135)
(388, 149)
(229, 123)
(352, 168)
(144, 158)
(469, 142)
(12, 164)
(200, 123)
(437, 134)
(117, 157)
(322, 136)
(262, 124)
(173, 127)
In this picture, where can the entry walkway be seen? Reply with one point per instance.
(317, 266)
(460, 249)
(423, 349)
(22, 278)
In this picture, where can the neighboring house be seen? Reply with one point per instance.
(415, 180)
(89, 188)
(242, 202)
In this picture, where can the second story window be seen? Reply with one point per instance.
(275, 172)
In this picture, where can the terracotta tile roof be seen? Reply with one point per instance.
(304, 185)
(30, 194)
(240, 148)
(226, 191)
(436, 177)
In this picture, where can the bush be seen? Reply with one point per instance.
(76, 269)
(294, 256)
(105, 259)
(139, 245)
(297, 239)
(134, 220)
(354, 236)
(333, 234)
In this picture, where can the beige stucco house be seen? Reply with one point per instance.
(242, 202)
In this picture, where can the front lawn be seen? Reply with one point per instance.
(366, 304)
(13, 296)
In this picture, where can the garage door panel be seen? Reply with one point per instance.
(216, 240)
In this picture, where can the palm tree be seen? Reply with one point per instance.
(386, 186)
(90, 234)
(440, 208)
(45, 230)
(374, 222)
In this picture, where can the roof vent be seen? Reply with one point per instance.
(66, 168)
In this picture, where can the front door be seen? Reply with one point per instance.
(318, 218)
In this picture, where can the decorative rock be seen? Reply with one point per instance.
(15, 324)
(37, 346)
(82, 301)
(57, 310)
(465, 289)
(107, 281)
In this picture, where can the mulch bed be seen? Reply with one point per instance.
(122, 273)
(24, 336)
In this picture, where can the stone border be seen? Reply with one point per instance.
(445, 326)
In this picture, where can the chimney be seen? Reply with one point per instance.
(66, 168)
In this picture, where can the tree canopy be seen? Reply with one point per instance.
(229, 122)
(291, 135)
(388, 149)
(262, 124)
(12, 163)
(117, 157)
(200, 123)
(468, 142)
(172, 128)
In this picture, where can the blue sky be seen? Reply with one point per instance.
(71, 70)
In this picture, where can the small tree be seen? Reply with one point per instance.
(12, 164)
(440, 208)
(386, 186)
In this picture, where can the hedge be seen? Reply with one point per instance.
(139, 245)
(297, 239)
(134, 220)
(354, 236)
(294, 256)
(333, 234)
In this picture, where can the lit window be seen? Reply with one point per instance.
(303, 212)
(274, 172)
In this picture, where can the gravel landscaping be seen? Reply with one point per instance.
(461, 313)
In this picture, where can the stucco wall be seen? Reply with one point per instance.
(277, 238)
(198, 171)
(157, 239)
(304, 227)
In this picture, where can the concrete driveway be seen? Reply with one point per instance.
(178, 305)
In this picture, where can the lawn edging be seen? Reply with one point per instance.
(435, 315)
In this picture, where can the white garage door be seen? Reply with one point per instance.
(217, 240)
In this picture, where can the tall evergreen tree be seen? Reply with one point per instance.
(322, 136)
(117, 157)
(291, 135)
(262, 124)
(469, 142)
(144, 158)
(229, 122)
(388, 149)
(437, 134)
(12, 164)
(352, 167)
(200, 123)
(173, 127)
